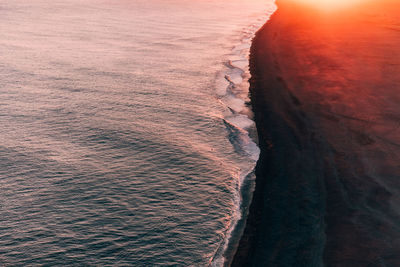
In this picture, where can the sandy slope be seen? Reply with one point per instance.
(326, 94)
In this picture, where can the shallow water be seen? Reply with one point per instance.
(124, 133)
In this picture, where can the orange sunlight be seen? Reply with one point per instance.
(331, 5)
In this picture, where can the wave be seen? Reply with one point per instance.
(232, 89)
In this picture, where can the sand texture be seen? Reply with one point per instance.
(325, 90)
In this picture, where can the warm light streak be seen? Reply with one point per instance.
(331, 5)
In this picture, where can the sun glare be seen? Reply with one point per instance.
(330, 5)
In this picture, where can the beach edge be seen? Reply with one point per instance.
(282, 116)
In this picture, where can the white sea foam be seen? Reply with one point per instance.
(239, 123)
(241, 63)
(235, 74)
(235, 104)
(221, 84)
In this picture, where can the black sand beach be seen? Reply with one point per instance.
(325, 93)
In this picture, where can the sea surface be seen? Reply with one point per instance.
(126, 136)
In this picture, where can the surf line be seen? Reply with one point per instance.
(232, 89)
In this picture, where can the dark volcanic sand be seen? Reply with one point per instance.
(325, 90)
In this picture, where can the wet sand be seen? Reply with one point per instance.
(325, 91)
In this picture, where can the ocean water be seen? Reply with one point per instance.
(126, 134)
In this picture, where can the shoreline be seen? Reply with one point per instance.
(323, 196)
(232, 89)
(267, 202)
